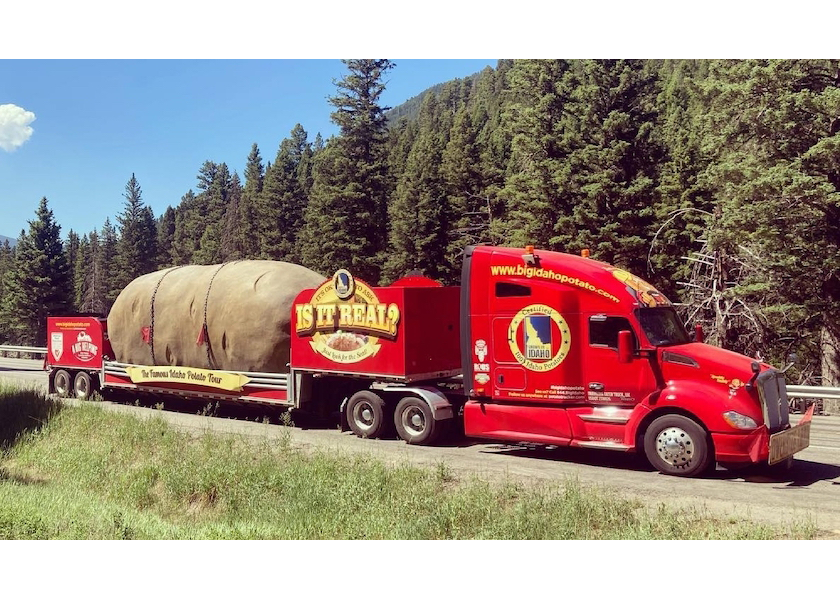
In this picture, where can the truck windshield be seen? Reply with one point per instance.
(662, 326)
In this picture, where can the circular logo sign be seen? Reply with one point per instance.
(539, 337)
(345, 320)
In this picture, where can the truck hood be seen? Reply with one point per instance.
(716, 365)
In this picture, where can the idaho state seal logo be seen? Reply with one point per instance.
(539, 337)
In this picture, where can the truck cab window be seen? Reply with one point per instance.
(603, 331)
(511, 290)
(662, 326)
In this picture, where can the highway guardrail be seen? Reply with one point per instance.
(22, 350)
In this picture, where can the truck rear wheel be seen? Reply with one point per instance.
(366, 414)
(82, 385)
(61, 383)
(414, 421)
(676, 445)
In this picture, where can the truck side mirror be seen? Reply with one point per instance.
(625, 346)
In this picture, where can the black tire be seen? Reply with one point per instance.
(62, 383)
(415, 423)
(676, 445)
(366, 414)
(82, 386)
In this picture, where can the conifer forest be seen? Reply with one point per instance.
(716, 180)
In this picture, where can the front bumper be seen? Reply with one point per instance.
(761, 446)
(749, 447)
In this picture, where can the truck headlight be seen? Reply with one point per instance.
(738, 421)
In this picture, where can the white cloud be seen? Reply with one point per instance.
(14, 126)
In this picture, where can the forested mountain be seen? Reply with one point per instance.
(4, 239)
(716, 180)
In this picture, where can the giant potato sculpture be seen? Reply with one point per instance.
(233, 317)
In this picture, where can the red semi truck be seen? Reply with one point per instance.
(535, 347)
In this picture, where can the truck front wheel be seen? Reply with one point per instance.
(414, 421)
(676, 445)
(366, 414)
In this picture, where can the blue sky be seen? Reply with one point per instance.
(98, 121)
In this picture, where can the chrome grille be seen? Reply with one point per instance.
(774, 401)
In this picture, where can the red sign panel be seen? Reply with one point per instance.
(398, 332)
(75, 342)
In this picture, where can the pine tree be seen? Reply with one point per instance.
(613, 163)
(250, 225)
(537, 120)
(108, 244)
(38, 284)
(490, 95)
(683, 202)
(80, 272)
(71, 250)
(92, 284)
(215, 184)
(420, 216)
(234, 231)
(187, 234)
(347, 212)
(6, 262)
(165, 238)
(772, 127)
(137, 237)
(283, 199)
(462, 171)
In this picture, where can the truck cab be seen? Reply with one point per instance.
(566, 350)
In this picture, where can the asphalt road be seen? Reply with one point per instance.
(807, 492)
(18, 369)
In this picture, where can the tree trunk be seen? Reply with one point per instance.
(830, 346)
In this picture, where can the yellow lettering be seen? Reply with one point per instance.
(304, 317)
(326, 315)
(393, 318)
(358, 315)
(370, 319)
(346, 318)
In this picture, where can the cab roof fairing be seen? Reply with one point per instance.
(587, 274)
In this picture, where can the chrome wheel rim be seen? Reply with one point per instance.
(413, 421)
(81, 388)
(675, 446)
(364, 416)
(62, 384)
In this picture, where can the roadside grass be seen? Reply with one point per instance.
(22, 409)
(86, 473)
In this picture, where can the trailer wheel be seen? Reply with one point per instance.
(366, 414)
(61, 383)
(676, 445)
(414, 421)
(82, 385)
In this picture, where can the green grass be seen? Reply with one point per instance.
(87, 473)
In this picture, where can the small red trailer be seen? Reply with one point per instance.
(80, 361)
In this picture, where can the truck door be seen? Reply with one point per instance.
(608, 381)
(536, 345)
